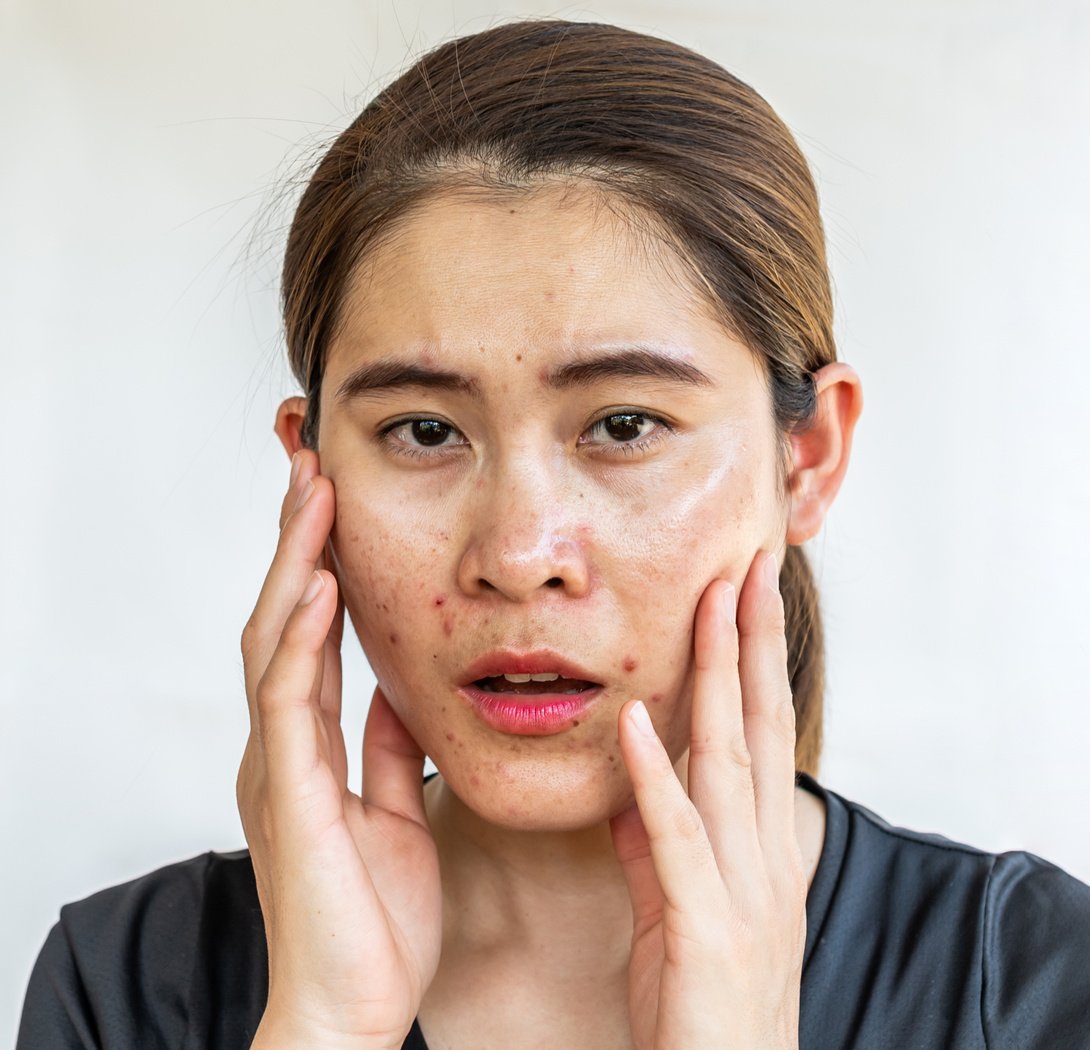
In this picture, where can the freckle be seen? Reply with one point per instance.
(574, 722)
(612, 759)
(518, 357)
(450, 736)
(630, 664)
(393, 639)
(355, 538)
(443, 708)
(656, 698)
(440, 600)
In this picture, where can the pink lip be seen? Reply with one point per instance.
(539, 714)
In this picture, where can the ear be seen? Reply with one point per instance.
(289, 423)
(820, 453)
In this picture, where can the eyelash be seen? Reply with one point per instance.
(624, 448)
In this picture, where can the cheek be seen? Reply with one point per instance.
(389, 571)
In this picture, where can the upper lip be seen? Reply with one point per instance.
(510, 661)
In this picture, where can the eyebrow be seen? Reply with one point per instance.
(629, 363)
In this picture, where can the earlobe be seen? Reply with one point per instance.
(289, 423)
(820, 453)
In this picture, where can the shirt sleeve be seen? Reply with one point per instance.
(1036, 957)
(56, 1012)
(115, 971)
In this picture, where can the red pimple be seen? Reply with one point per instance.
(448, 625)
(393, 639)
(475, 780)
(630, 664)
(450, 736)
(441, 600)
(656, 698)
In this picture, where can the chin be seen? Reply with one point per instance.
(575, 792)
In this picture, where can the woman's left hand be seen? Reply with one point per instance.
(715, 875)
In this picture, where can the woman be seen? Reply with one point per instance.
(559, 305)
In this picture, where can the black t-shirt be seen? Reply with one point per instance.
(913, 942)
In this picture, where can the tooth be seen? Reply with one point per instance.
(544, 677)
(517, 679)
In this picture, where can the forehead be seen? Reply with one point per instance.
(541, 273)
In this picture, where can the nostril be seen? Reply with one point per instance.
(556, 581)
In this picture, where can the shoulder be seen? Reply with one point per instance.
(962, 946)
(145, 962)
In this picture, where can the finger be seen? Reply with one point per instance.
(768, 711)
(680, 851)
(304, 465)
(288, 716)
(633, 849)
(331, 662)
(393, 763)
(300, 544)
(720, 774)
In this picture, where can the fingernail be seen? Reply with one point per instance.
(295, 463)
(305, 495)
(729, 601)
(313, 587)
(772, 573)
(639, 717)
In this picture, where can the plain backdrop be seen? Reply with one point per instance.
(150, 156)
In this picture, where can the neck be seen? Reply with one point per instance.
(506, 890)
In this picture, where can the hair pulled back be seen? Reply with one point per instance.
(659, 128)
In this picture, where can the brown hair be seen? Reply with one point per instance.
(663, 131)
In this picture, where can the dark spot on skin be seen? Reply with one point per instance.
(612, 759)
(443, 708)
(393, 639)
(450, 736)
(574, 722)
(385, 607)
(630, 664)
(656, 698)
(518, 357)
(441, 600)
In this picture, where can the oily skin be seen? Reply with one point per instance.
(524, 531)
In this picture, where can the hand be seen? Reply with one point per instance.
(349, 885)
(716, 877)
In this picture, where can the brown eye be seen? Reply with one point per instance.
(625, 426)
(431, 431)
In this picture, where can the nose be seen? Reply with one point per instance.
(524, 542)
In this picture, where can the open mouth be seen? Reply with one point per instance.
(534, 684)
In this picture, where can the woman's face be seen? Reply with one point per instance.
(544, 448)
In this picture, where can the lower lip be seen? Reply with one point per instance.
(536, 714)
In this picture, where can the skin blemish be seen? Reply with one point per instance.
(474, 780)
(440, 601)
(448, 625)
(393, 639)
(450, 737)
(629, 664)
(656, 698)
(518, 357)
(550, 297)
(574, 722)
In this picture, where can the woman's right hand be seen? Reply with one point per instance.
(348, 884)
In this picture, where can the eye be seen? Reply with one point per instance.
(626, 432)
(418, 437)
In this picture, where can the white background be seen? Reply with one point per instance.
(144, 148)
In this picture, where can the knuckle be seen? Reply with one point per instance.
(783, 718)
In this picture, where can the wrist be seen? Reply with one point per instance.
(280, 1033)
